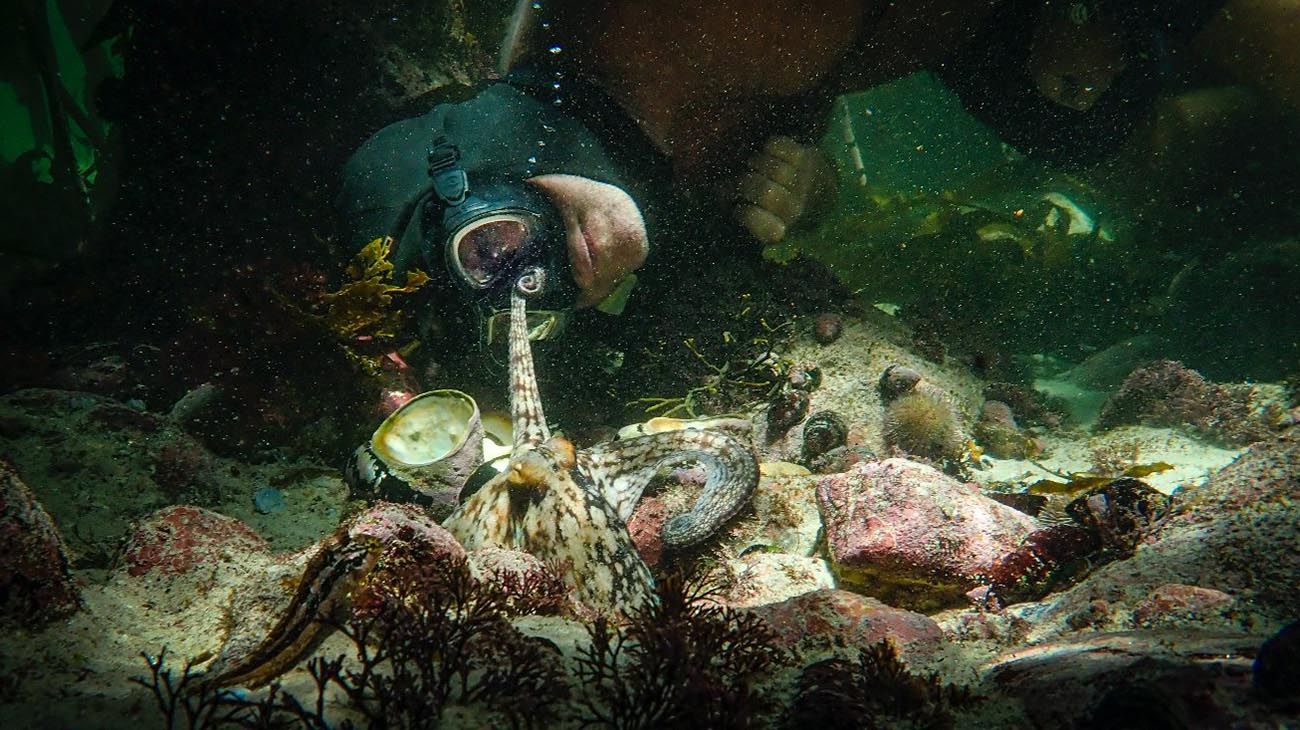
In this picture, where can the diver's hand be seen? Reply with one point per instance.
(786, 182)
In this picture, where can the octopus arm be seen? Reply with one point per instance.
(621, 470)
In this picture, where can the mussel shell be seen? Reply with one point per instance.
(787, 409)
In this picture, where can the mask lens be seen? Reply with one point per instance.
(486, 247)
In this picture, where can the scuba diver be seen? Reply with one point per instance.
(608, 123)
(480, 190)
(611, 122)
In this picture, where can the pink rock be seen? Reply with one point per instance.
(1175, 603)
(832, 618)
(176, 539)
(910, 535)
(36, 583)
(644, 526)
(393, 524)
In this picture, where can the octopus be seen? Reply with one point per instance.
(567, 506)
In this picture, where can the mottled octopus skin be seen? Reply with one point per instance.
(571, 508)
(566, 507)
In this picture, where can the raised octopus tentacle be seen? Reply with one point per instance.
(621, 470)
(526, 414)
(538, 504)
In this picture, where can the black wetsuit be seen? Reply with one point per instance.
(507, 132)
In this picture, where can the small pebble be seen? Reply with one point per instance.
(268, 500)
(828, 327)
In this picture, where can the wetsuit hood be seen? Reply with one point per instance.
(505, 134)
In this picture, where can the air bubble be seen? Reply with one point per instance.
(555, 49)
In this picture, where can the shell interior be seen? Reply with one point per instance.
(428, 428)
(498, 439)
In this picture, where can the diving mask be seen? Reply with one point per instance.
(491, 234)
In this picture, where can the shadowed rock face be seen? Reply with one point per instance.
(36, 584)
(912, 536)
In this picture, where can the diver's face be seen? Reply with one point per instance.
(1074, 64)
(605, 232)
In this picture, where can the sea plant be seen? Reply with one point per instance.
(427, 635)
(683, 662)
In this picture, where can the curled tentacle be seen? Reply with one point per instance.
(621, 470)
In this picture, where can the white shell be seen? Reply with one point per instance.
(427, 429)
(431, 445)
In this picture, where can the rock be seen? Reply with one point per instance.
(997, 431)
(786, 516)
(393, 524)
(827, 327)
(1175, 604)
(822, 621)
(1167, 393)
(1277, 665)
(906, 533)
(36, 583)
(177, 539)
(765, 578)
(1239, 533)
(1158, 679)
(645, 525)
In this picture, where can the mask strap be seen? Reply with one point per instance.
(450, 184)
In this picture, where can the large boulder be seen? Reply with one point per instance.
(1152, 679)
(910, 535)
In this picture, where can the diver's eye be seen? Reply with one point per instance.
(486, 247)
